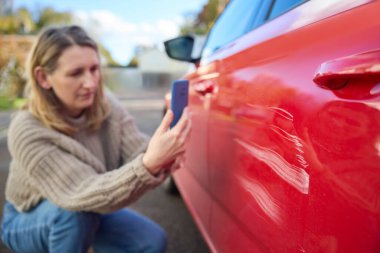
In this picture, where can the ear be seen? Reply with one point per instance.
(41, 77)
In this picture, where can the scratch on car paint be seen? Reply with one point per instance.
(290, 137)
(296, 141)
(282, 112)
(301, 249)
(263, 198)
(295, 176)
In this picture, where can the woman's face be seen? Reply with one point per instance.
(76, 79)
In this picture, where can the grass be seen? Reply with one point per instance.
(19, 102)
(5, 103)
(9, 104)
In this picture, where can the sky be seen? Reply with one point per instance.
(121, 25)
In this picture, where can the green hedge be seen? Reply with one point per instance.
(8, 104)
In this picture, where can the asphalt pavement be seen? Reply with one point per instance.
(167, 210)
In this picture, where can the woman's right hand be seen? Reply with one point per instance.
(166, 144)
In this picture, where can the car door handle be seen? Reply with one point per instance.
(336, 73)
(204, 87)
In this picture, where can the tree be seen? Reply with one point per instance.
(21, 21)
(201, 23)
(134, 63)
(27, 23)
(48, 16)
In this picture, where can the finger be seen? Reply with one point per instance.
(165, 123)
(184, 135)
(182, 121)
(180, 151)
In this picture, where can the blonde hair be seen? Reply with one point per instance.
(43, 103)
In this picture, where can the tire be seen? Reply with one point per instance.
(170, 186)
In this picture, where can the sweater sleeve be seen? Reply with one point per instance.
(74, 185)
(65, 175)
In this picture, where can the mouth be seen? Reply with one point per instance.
(87, 95)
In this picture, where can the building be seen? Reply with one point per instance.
(153, 60)
(157, 68)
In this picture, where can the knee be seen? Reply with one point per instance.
(73, 230)
(78, 223)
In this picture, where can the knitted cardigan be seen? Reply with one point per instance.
(47, 164)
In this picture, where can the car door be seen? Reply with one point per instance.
(204, 83)
(294, 127)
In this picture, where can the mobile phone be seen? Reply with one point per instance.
(179, 100)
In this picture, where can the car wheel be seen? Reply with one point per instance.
(170, 186)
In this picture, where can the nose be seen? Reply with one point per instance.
(90, 81)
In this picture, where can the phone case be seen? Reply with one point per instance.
(179, 100)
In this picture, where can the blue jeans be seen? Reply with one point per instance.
(49, 228)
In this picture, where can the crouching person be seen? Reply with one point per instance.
(78, 159)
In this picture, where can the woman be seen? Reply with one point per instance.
(78, 159)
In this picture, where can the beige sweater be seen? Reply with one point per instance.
(100, 171)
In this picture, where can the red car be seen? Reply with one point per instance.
(284, 154)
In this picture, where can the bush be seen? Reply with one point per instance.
(12, 83)
(5, 103)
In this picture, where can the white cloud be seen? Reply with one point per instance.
(121, 37)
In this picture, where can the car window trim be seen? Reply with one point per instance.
(267, 19)
(261, 14)
(246, 30)
(261, 18)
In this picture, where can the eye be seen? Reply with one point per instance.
(75, 73)
(94, 68)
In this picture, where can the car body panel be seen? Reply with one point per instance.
(290, 118)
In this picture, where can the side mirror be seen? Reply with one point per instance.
(181, 49)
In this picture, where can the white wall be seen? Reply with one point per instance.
(153, 60)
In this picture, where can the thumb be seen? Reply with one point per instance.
(165, 123)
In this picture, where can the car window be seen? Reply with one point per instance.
(281, 6)
(233, 23)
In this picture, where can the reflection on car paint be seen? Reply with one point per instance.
(263, 198)
(351, 127)
(375, 105)
(375, 90)
(293, 175)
